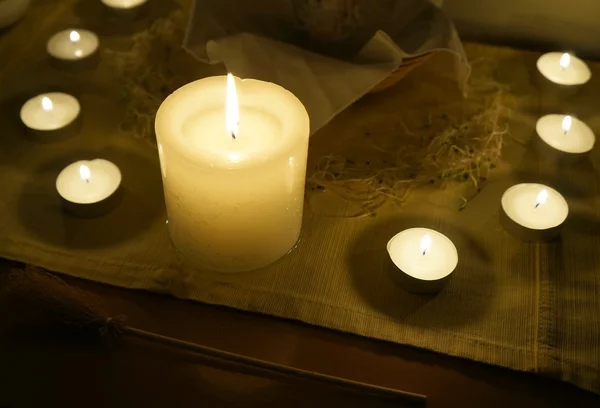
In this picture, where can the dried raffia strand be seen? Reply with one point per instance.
(148, 73)
(465, 150)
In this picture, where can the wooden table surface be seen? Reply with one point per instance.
(134, 373)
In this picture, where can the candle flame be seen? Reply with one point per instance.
(85, 173)
(566, 124)
(232, 108)
(542, 197)
(425, 243)
(47, 104)
(74, 36)
(565, 60)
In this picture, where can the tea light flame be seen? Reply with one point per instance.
(232, 108)
(47, 104)
(74, 36)
(565, 60)
(425, 243)
(84, 173)
(542, 197)
(567, 123)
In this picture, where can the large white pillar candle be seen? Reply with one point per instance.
(533, 212)
(233, 178)
(424, 259)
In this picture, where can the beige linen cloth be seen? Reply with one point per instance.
(530, 307)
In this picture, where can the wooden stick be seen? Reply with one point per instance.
(417, 399)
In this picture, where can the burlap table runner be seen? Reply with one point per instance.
(530, 307)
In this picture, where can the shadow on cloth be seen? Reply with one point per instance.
(572, 178)
(581, 226)
(518, 73)
(40, 210)
(371, 271)
(111, 23)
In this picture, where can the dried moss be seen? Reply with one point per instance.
(149, 71)
(446, 148)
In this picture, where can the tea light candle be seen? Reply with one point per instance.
(89, 188)
(49, 112)
(233, 164)
(565, 134)
(119, 5)
(563, 69)
(72, 45)
(533, 212)
(424, 259)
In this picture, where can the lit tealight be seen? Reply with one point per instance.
(565, 134)
(533, 212)
(122, 5)
(563, 69)
(424, 259)
(50, 112)
(72, 45)
(85, 195)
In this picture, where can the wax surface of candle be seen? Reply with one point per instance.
(423, 253)
(234, 203)
(50, 111)
(564, 69)
(72, 44)
(565, 133)
(535, 206)
(124, 4)
(87, 182)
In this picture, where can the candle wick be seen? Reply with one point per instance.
(233, 135)
(424, 251)
(537, 205)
